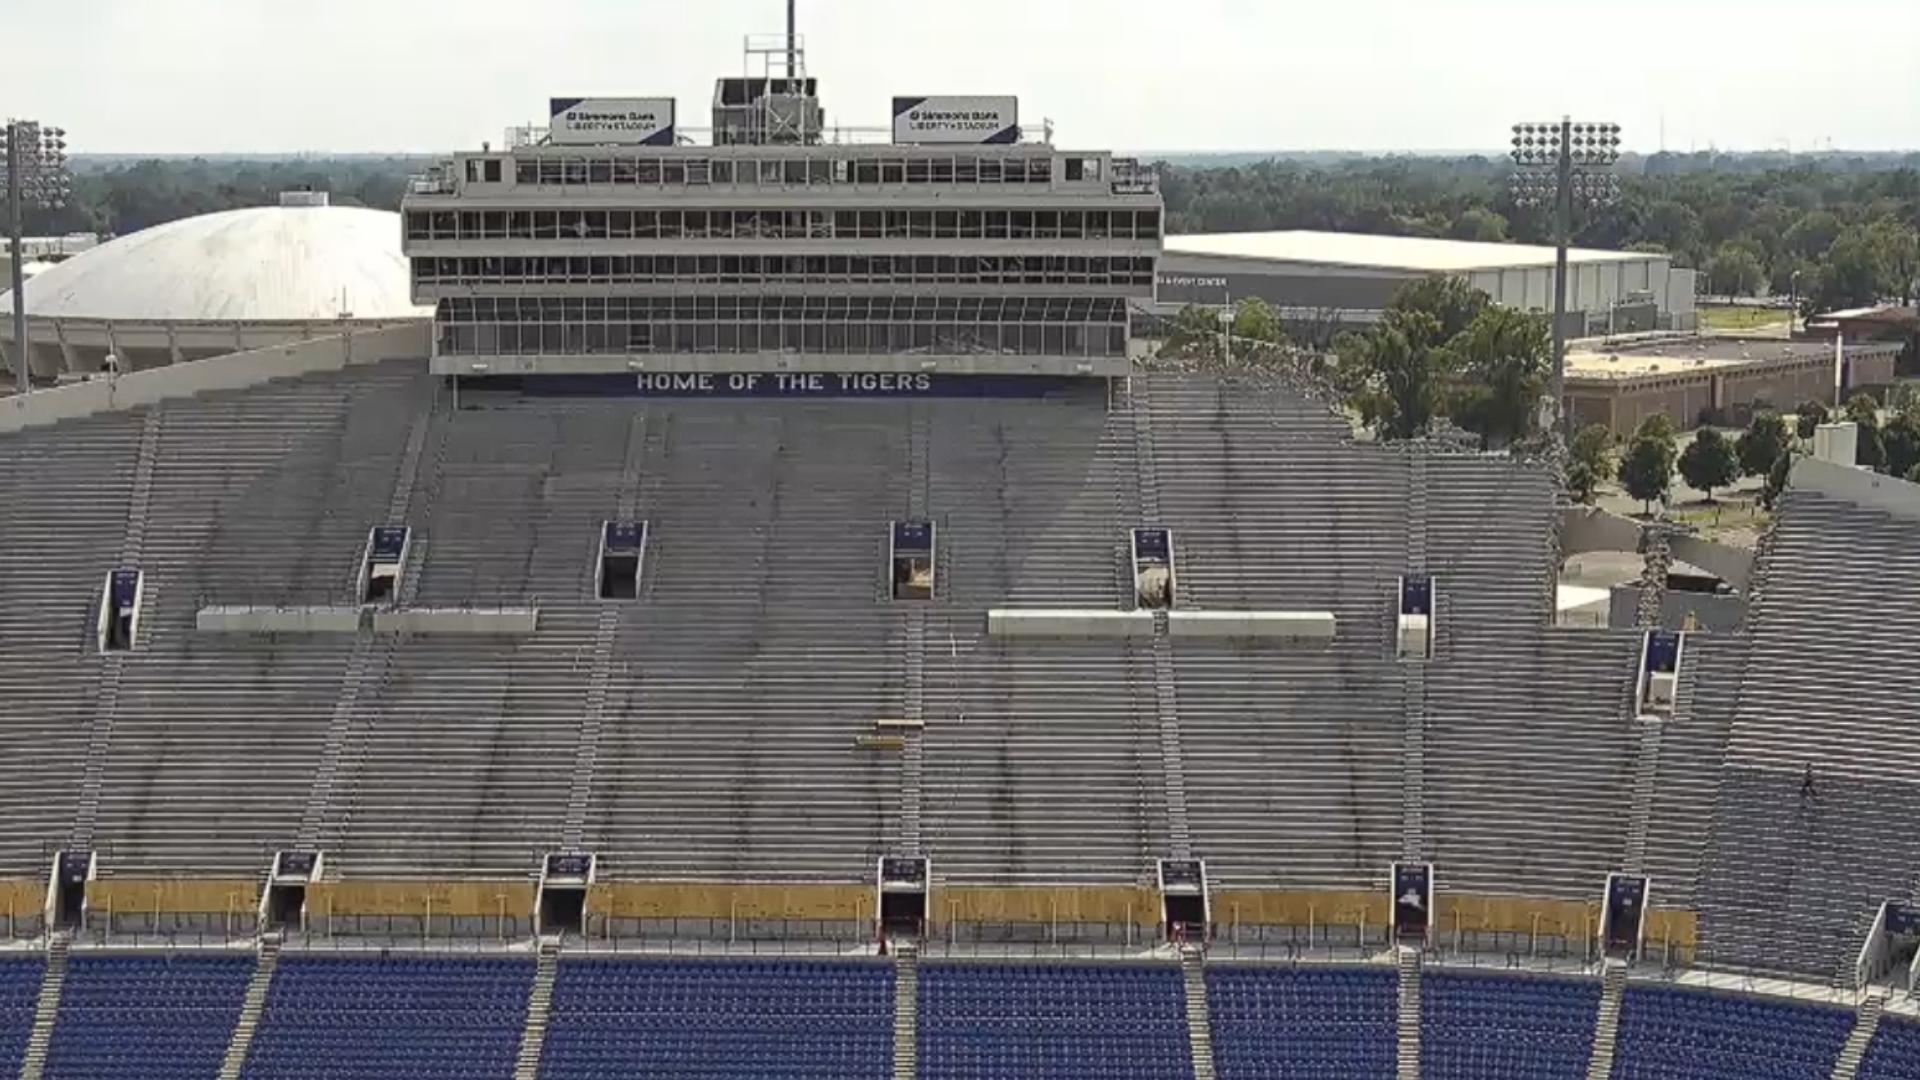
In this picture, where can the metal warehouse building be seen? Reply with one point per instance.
(1347, 278)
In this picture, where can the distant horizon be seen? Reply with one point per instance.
(1363, 76)
(1327, 151)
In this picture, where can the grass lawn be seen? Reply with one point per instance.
(1741, 318)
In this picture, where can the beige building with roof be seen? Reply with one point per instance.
(1620, 383)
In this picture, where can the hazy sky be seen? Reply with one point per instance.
(365, 75)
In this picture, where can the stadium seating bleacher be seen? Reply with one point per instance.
(1894, 1053)
(20, 980)
(1675, 1034)
(1273, 1023)
(1052, 1022)
(771, 1019)
(355, 1017)
(161, 1016)
(1495, 1027)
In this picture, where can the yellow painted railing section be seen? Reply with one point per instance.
(704, 900)
(962, 903)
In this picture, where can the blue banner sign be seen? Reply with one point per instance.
(625, 535)
(912, 536)
(389, 541)
(1663, 651)
(770, 384)
(1416, 596)
(1152, 545)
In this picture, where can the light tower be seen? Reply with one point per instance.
(1560, 164)
(36, 176)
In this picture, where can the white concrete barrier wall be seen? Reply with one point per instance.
(1297, 627)
(457, 621)
(1068, 623)
(262, 620)
(231, 372)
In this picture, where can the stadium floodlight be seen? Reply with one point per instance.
(36, 176)
(1562, 164)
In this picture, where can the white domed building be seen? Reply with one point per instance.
(217, 284)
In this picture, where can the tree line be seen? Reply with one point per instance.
(1646, 464)
(1836, 231)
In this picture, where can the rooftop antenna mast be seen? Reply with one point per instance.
(793, 62)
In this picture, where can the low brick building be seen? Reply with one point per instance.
(1620, 383)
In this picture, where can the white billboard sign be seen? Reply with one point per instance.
(956, 119)
(624, 121)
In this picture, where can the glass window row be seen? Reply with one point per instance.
(579, 170)
(833, 339)
(568, 224)
(534, 309)
(1093, 270)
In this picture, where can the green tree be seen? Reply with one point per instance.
(1658, 426)
(1765, 439)
(1813, 234)
(1709, 461)
(1647, 470)
(1735, 270)
(1498, 367)
(1192, 334)
(1479, 224)
(1256, 327)
(1900, 442)
(1811, 415)
(1900, 255)
(1388, 375)
(1854, 271)
(1589, 461)
(1449, 301)
(1776, 481)
(1864, 411)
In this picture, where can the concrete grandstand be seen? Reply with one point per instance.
(414, 706)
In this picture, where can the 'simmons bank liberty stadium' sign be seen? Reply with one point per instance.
(601, 121)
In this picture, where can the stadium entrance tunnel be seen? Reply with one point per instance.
(910, 556)
(285, 902)
(622, 546)
(67, 897)
(903, 896)
(1183, 899)
(564, 881)
(118, 621)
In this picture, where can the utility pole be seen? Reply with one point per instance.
(36, 176)
(1560, 164)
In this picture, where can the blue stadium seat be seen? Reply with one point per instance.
(1495, 1027)
(1283, 1022)
(1674, 1034)
(1104, 1021)
(19, 994)
(162, 1016)
(374, 1017)
(744, 1019)
(1894, 1053)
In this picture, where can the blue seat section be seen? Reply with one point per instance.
(1674, 1034)
(354, 1017)
(1043, 1021)
(1492, 1027)
(1894, 1053)
(19, 996)
(739, 1019)
(1279, 1022)
(159, 1016)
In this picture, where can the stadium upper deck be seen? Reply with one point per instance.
(605, 245)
